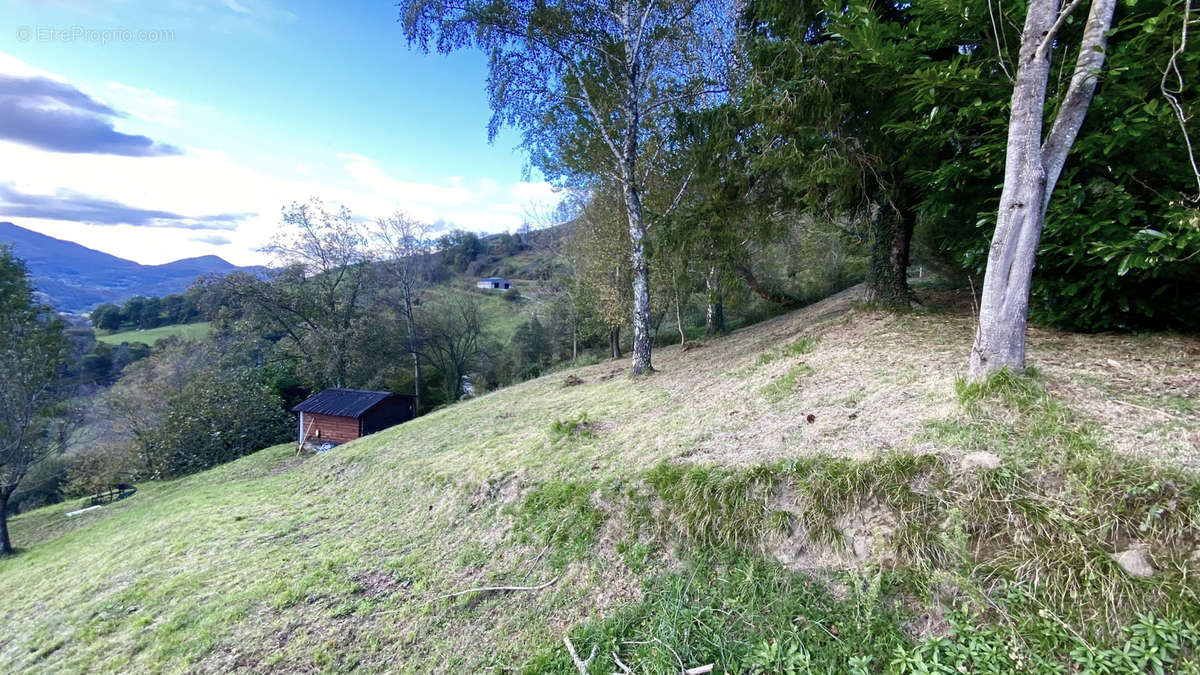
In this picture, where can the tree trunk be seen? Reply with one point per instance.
(714, 315)
(641, 282)
(5, 544)
(614, 341)
(1030, 171)
(679, 317)
(416, 383)
(887, 275)
(761, 290)
(574, 338)
(412, 349)
(633, 207)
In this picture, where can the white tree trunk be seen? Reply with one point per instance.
(1030, 172)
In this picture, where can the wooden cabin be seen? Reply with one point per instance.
(341, 415)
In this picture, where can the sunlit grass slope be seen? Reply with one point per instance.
(150, 336)
(813, 492)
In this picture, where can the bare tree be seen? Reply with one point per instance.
(33, 353)
(318, 291)
(406, 243)
(1032, 167)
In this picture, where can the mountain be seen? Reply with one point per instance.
(74, 278)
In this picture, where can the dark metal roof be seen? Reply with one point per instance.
(344, 402)
(493, 279)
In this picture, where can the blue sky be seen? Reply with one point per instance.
(238, 107)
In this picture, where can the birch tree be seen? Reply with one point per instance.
(1032, 167)
(581, 80)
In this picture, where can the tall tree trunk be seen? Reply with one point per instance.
(887, 275)
(574, 337)
(714, 314)
(5, 544)
(416, 383)
(614, 341)
(412, 350)
(641, 281)
(679, 317)
(1030, 173)
(633, 207)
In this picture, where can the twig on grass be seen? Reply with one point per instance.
(682, 668)
(1142, 407)
(581, 666)
(624, 668)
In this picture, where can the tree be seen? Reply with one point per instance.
(582, 81)
(106, 317)
(33, 354)
(596, 249)
(831, 82)
(406, 244)
(1032, 168)
(316, 296)
(453, 334)
(216, 418)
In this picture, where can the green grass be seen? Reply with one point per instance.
(664, 536)
(151, 336)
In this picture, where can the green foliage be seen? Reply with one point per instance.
(1038, 641)
(216, 418)
(33, 359)
(1121, 230)
(528, 352)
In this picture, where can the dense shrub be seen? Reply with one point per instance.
(214, 419)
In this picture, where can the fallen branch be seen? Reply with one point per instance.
(582, 666)
(624, 668)
(682, 668)
(485, 589)
(1142, 407)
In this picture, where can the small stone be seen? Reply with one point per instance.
(981, 460)
(1134, 562)
(1114, 364)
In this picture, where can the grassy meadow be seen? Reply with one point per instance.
(150, 336)
(814, 493)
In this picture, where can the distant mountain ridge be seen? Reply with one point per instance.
(74, 278)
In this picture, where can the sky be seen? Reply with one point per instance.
(162, 129)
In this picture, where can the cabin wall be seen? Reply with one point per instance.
(329, 428)
(387, 414)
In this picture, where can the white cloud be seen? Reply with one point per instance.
(143, 104)
(205, 181)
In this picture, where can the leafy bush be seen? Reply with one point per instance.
(99, 467)
(214, 419)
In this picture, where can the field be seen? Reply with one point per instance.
(817, 492)
(150, 336)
